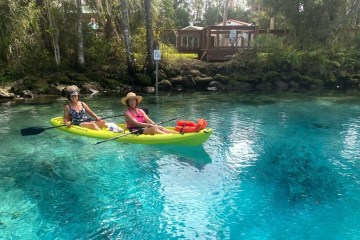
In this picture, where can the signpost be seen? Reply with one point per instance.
(157, 57)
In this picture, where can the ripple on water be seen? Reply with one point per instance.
(271, 168)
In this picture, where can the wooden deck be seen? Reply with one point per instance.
(215, 43)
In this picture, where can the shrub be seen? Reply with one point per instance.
(143, 79)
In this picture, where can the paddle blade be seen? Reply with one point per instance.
(31, 131)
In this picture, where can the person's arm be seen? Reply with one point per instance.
(90, 112)
(147, 119)
(67, 118)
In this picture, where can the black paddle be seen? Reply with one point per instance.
(37, 130)
(122, 135)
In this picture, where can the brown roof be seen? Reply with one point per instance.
(234, 23)
(192, 28)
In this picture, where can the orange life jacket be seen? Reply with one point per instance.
(189, 126)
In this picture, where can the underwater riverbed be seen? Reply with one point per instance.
(276, 167)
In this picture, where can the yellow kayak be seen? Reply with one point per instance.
(185, 139)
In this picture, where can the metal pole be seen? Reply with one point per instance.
(156, 84)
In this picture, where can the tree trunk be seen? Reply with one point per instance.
(149, 38)
(81, 59)
(127, 38)
(226, 4)
(54, 36)
(272, 23)
(43, 25)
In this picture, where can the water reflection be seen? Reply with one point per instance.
(351, 140)
(193, 156)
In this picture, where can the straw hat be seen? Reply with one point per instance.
(131, 95)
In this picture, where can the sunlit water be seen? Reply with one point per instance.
(276, 167)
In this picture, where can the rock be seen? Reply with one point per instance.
(176, 80)
(213, 89)
(173, 72)
(179, 87)
(189, 81)
(91, 88)
(149, 89)
(71, 88)
(123, 88)
(161, 75)
(164, 85)
(26, 94)
(203, 81)
(195, 73)
(221, 78)
(215, 86)
(238, 86)
(294, 85)
(280, 85)
(264, 86)
(6, 95)
(55, 89)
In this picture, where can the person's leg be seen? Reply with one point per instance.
(165, 130)
(101, 124)
(153, 130)
(90, 125)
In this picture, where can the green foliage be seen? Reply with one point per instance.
(310, 67)
(238, 77)
(143, 80)
(239, 14)
(182, 18)
(61, 78)
(271, 76)
(211, 16)
(35, 60)
(164, 16)
(109, 83)
(35, 83)
(323, 43)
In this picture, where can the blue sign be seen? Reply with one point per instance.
(157, 55)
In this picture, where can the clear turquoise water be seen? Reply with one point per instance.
(276, 167)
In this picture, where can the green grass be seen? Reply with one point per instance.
(181, 55)
(170, 52)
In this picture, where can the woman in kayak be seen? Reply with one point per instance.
(137, 121)
(76, 113)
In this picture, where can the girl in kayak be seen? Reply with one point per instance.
(137, 121)
(76, 113)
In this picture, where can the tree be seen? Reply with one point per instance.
(54, 32)
(127, 37)
(312, 21)
(149, 38)
(182, 17)
(81, 59)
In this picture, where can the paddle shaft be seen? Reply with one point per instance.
(114, 138)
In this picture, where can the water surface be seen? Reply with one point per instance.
(276, 167)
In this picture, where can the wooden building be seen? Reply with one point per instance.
(218, 42)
